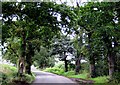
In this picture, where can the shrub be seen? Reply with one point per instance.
(55, 70)
(116, 77)
(59, 71)
(3, 78)
(60, 65)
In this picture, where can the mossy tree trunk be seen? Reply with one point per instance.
(21, 64)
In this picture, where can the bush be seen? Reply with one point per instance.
(116, 77)
(7, 78)
(55, 70)
(59, 71)
(3, 78)
(60, 65)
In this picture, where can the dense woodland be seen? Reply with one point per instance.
(35, 33)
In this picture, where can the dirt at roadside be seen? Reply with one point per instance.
(17, 82)
(82, 81)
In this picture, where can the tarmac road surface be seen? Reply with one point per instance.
(46, 78)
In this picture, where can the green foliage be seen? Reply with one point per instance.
(13, 50)
(116, 77)
(59, 65)
(59, 71)
(98, 20)
(35, 25)
(42, 58)
(84, 50)
(3, 78)
(8, 68)
(102, 67)
(61, 45)
(71, 74)
(84, 67)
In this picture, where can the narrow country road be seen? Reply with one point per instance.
(45, 78)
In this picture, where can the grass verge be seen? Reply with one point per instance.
(8, 74)
(101, 79)
(71, 74)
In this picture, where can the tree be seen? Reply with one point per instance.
(92, 19)
(86, 21)
(35, 24)
(79, 41)
(63, 46)
(42, 59)
(109, 35)
(11, 54)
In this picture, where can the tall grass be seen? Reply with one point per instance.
(7, 69)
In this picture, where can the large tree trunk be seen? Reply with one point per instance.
(92, 67)
(91, 58)
(29, 58)
(66, 65)
(111, 57)
(116, 56)
(78, 65)
(28, 65)
(64, 58)
(117, 62)
(28, 68)
(21, 64)
(111, 64)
